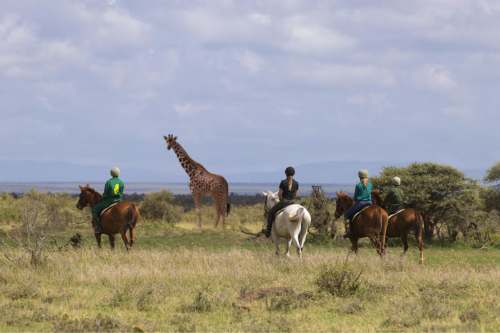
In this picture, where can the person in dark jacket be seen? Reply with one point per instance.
(394, 199)
(362, 197)
(113, 192)
(287, 193)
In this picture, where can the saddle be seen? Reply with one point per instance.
(108, 208)
(356, 215)
(396, 213)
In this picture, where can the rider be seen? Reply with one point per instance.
(113, 192)
(362, 198)
(288, 190)
(394, 198)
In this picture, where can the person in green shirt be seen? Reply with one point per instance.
(362, 197)
(394, 199)
(113, 192)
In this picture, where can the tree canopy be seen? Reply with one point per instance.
(447, 199)
(493, 173)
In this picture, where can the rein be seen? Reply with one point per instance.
(266, 210)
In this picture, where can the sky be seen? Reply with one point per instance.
(249, 85)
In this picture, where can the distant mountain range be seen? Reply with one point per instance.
(333, 172)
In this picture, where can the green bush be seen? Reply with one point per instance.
(340, 280)
(160, 206)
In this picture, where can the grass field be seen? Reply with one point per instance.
(185, 280)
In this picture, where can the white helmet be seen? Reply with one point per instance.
(115, 171)
(396, 181)
(363, 173)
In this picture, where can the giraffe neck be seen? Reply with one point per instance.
(188, 164)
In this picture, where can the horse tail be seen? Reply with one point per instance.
(298, 216)
(419, 233)
(228, 198)
(132, 216)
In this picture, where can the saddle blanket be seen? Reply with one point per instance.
(356, 215)
(108, 208)
(396, 213)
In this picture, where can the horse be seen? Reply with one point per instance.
(371, 222)
(400, 224)
(121, 217)
(291, 223)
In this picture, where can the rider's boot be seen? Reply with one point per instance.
(267, 232)
(347, 230)
(97, 225)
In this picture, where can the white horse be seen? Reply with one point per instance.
(291, 223)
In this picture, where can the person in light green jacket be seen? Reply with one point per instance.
(113, 192)
(362, 197)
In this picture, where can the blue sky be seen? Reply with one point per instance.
(249, 85)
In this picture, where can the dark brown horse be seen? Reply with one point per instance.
(371, 223)
(118, 219)
(401, 224)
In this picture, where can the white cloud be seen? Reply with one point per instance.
(307, 37)
(436, 78)
(342, 75)
(190, 109)
(251, 61)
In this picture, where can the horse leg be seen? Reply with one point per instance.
(288, 244)
(276, 241)
(420, 240)
(354, 243)
(404, 239)
(297, 244)
(98, 239)
(111, 241)
(132, 236)
(376, 243)
(124, 238)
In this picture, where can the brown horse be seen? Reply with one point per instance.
(371, 223)
(118, 219)
(401, 224)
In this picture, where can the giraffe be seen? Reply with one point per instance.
(202, 182)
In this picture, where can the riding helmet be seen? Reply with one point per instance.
(290, 171)
(396, 181)
(363, 173)
(115, 172)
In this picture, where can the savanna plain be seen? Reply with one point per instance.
(181, 279)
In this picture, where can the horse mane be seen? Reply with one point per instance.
(91, 190)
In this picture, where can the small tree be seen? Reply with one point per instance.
(491, 195)
(493, 174)
(445, 197)
(160, 206)
(318, 205)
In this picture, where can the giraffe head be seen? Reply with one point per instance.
(170, 140)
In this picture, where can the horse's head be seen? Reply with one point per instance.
(343, 203)
(87, 197)
(170, 140)
(272, 198)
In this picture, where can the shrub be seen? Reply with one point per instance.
(160, 206)
(481, 232)
(339, 280)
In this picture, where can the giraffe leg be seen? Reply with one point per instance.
(219, 208)
(197, 206)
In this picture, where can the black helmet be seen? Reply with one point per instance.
(290, 171)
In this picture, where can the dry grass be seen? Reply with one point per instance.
(184, 280)
(195, 289)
